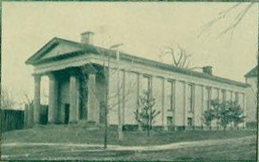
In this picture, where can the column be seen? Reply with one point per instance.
(107, 91)
(198, 105)
(37, 80)
(123, 95)
(244, 109)
(52, 99)
(203, 100)
(185, 112)
(138, 95)
(179, 104)
(194, 95)
(74, 97)
(164, 110)
(91, 102)
(158, 96)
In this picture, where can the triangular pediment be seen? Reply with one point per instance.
(53, 49)
(253, 72)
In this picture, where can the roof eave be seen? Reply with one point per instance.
(127, 57)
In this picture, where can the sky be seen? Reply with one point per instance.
(144, 29)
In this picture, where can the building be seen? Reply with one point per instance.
(77, 86)
(251, 79)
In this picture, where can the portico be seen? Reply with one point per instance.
(72, 95)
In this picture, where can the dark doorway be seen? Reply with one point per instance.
(44, 114)
(66, 113)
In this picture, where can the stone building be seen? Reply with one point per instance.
(251, 79)
(77, 85)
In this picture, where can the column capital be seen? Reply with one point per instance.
(161, 77)
(89, 68)
(192, 83)
(170, 80)
(37, 77)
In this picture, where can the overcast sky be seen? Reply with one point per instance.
(144, 28)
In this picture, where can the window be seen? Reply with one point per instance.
(147, 83)
(218, 94)
(190, 97)
(208, 97)
(169, 120)
(224, 95)
(144, 85)
(190, 122)
(170, 94)
(236, 97)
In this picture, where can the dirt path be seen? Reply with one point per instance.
(98, 147)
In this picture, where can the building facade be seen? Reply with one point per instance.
(251, 79)
(82, 75)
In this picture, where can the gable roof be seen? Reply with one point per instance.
(252, 73)
(52, 44)
(37, 58)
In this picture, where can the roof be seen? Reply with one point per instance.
(87, 48)
(252, 73)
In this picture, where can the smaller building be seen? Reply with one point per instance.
(251, 79)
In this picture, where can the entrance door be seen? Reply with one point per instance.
(66, 121)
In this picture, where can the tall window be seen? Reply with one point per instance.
(147, 83)
(171, 94)
(218, 94)
(208, 95)
(236, 97)
(224, 95)
(190, 97)
(190, 122)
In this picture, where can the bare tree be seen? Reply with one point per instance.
(7, 99)
(226, 16)
(146, 114)
(179, 56)
(118, 95)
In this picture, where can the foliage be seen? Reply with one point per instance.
(145, 114)
(216, 110)
(224, 112)
(237, 114)
(208, 116)
(7, 99)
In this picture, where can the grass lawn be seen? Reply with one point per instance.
(76, 134)
(245, 151)
(238, 150)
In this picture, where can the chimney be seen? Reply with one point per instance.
(207, 70)
(87, 37)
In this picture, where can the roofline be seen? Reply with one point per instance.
(31, 60)
(86, 49)
(248, 75)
